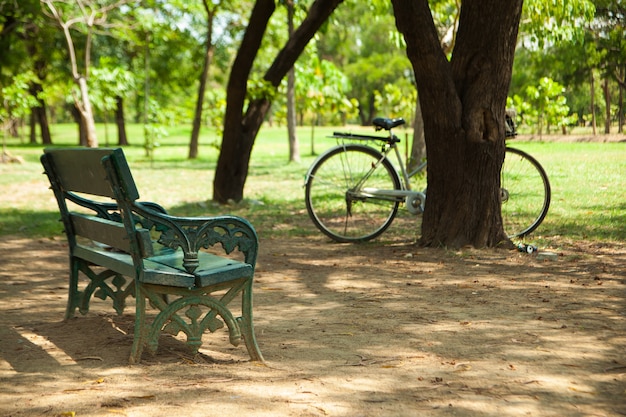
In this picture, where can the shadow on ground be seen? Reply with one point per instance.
(381, 329)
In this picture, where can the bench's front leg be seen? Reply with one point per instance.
(74, 295)
(247, 324)
(193, 312)
(140, 330)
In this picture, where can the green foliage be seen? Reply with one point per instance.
(362, 41)
(321, 89)
(394, 101)
(547, 22)
(16, 97)
(109, 82)
(214, 110)
(153, 129)
(586, 65)
(260, 89)
(543, 106)
(160, 45)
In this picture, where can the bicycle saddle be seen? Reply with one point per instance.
(385, 123)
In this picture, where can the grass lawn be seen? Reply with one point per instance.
(588, 184)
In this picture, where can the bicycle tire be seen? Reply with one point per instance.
(525, 192)
(333, 198)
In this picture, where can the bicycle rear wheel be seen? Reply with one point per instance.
(525, 191)
(335, 196)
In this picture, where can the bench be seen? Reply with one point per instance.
(187, 268)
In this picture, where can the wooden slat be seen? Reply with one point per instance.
(122, 263)
(101, 230)
(80, 170)
(212, 270)
(110, 233)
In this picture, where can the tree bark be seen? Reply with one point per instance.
(80, 122)
(122, 139)
(463, 104)
(607, 102)
(232, 164)
(418, 147)
(33, 127)
(241, 129)
(593, 103)
(204, 76)
(40, 67)
(86, 112)
(294, 149)
(620, 102)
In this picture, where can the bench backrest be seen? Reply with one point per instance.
(78, 175)
(141, 229)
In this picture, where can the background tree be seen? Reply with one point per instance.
(543, 106)
(577, 42)
(363, 43)
(17, 102)
(322, 94)
(608, 30)
(463, 102)
(240, 129)
(111, 84)
(25, 46)
(294, 149)
(88, 15)
(211, 9)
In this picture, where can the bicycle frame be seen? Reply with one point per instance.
(406, 194)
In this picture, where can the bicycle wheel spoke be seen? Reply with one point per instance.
(334, 199)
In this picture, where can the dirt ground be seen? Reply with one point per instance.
(347, 330)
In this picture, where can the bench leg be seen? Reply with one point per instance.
(140, 327)
(73, 296)
(247, 324)
(104, 284)
(193, 312)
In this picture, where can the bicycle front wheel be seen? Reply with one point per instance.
(343, 195)
(525, 192)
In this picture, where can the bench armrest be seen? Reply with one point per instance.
(194, 233)
(109, 211)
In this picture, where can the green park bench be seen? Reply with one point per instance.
(186, 267)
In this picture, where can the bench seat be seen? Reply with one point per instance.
(166, 268)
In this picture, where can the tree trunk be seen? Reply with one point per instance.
(232, 165)
(82, 131)
(39, 115)
(607, 102)
(294, 146)
(620, 103)
(593, 103)
(204, 76)
(418, 147)
(463, 104)
(40, 66)
(122, 139)
(33, 127)
(42, 118)
(86, 112)
(240, 129)
(34, 90)
(294, 149)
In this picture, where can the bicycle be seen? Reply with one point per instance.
(353, 191)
